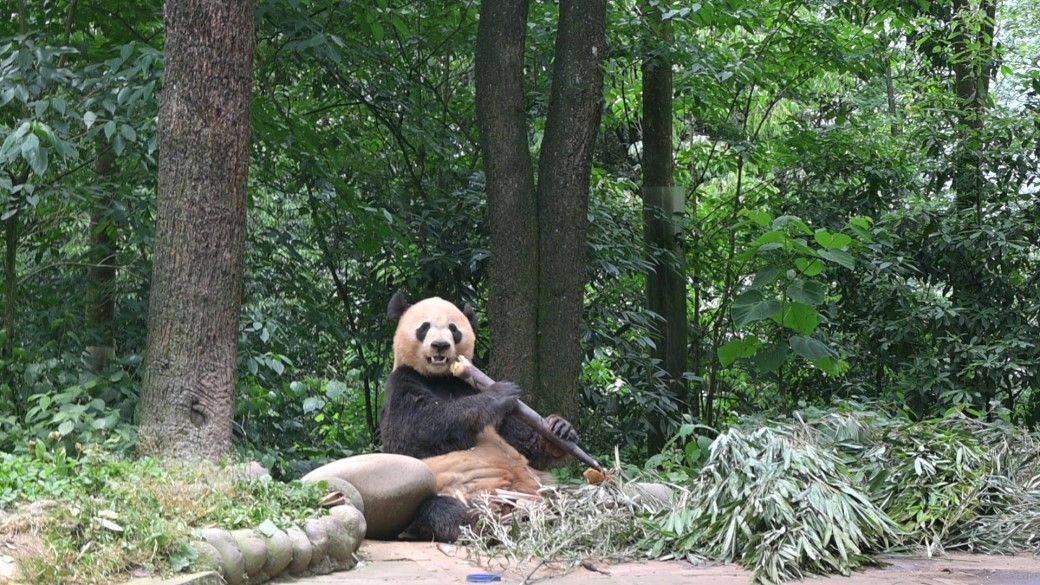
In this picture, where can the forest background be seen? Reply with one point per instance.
(826, 202)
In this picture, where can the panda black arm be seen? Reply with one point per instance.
(418, 422)
(540, 454)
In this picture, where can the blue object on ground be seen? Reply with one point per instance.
(482, 578)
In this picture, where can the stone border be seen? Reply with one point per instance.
(247, 556)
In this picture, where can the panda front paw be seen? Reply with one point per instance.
(561, 428)
(504, 397)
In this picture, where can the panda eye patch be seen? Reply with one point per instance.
(455, 333)
(420, 333)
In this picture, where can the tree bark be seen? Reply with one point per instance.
(511, 200)
(972, 43)
(101, 274)
(538, 234)
(11, 306)
(564, 168)
(187, 396)
(666, 281)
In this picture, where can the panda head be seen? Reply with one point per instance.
(431, 334)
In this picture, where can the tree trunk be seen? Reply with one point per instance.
(538, 236)
(972, 43)
(666, 281)
(101, 274)
(11, 306)
(564, 168)
(512, 206)
(187, 396)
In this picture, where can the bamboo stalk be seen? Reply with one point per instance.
(465, 370)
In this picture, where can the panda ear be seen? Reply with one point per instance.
(398, 305)
(471, 315)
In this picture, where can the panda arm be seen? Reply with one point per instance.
(420, 423)
(537, 450)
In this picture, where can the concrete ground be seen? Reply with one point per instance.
(409, 562)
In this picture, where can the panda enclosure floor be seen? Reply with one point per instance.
(411, 562)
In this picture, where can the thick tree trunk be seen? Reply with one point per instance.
(564, 168)
(512, 207)
(101, 274)
(666, 282)
(538, 236)
(187, 396)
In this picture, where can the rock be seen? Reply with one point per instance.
(208, 558)
(344, 487)
(656, 496)
(391, 488)
(232, 563)
(351, 519)
(254, 550)
(9, 572)
(203, 578)
(279, 553)
(317, 533)
(341, 543)
(302, 551)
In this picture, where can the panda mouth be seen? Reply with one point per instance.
(437, 360)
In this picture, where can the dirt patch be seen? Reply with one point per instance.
(400, 562)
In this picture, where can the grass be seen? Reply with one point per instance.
(112, 517)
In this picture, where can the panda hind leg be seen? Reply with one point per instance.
(440, 519)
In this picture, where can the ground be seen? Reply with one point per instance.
(430, 564)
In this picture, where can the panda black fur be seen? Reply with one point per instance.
(431, 414)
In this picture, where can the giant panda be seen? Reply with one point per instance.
(471, 440)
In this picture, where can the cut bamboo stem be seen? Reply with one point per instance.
(465, 370)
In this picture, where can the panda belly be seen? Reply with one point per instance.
(491, 465)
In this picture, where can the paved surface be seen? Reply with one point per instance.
(409, 562)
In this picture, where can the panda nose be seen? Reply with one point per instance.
(440, 346)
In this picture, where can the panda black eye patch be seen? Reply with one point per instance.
(420, 333)
(455, 333)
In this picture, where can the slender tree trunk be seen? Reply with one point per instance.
(666, 281)
(511, 199)
(187, 396)
(564, 169)
(11, 305)
(890, 94)
(101, 274)
(972, 44)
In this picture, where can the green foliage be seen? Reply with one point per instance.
(778, 308)
(113, 515)
(820, 494)
(69, 406)
(777, 504)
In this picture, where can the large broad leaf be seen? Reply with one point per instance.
(792, 222)
(765, 277)
(35, 154)
(753, 306)
(809, 266)
(761, 218)
(737, 349)
(839, 257)
(801, 318)
(769, 238)
(832, 366)
(769, 359)
(806, 291)
(832, 241)
(810, 348)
